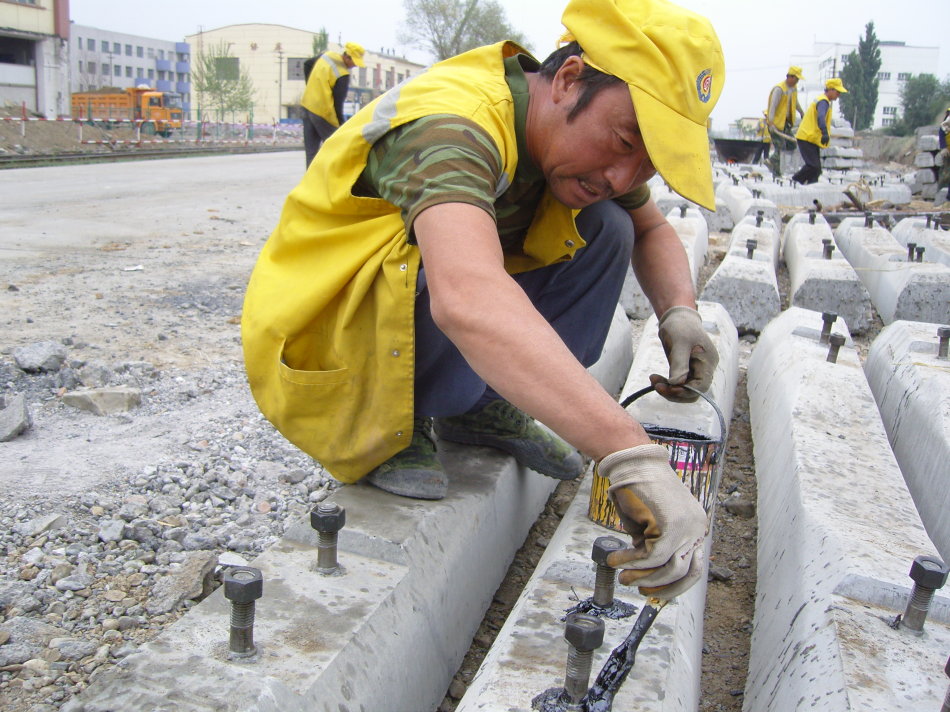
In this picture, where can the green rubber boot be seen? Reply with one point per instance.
(414, 472)
(500, 425)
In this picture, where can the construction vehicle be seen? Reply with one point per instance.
(158, 112)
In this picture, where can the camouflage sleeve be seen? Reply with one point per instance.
(433, 160)
(636, 198)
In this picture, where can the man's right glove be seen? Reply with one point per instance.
(825, 139)
(667, 524)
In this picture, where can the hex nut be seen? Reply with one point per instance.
(603, 545)
(929, 571)
(332, 521)
(243, 584)
(584, 631)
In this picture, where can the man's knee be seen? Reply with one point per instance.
(607, 229)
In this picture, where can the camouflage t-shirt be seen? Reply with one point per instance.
(449, 159)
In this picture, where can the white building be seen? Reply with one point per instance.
(273, 56)
(33, 56)
(101, 58)
(899, 61)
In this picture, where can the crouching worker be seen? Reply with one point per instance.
(455, 254)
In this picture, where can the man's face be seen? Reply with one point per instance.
(598, 155)
(348, 61)
(791, 80)
(832, 94)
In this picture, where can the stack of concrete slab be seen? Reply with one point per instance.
(689, 224)
(820, 283)
(838, 533)
(911, 384)
(899, 288)
(389, 630)
(747, 286)
(926, 233)
(927, 161)
(528, 655)
(841, 154)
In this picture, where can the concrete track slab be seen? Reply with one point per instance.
(916, 291)
(912, 389)
(936, 242)
(835, 522)
(823, 284)
(529, 653)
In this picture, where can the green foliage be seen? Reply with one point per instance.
(320, 41)
(859, 75)
(449, 27)
(924, 100)
(221, 84)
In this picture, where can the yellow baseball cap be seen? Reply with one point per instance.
(835, 84)
(356, 53)
(672, 62)
(794, 71)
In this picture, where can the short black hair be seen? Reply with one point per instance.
(592, 80)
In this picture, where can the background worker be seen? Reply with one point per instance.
(457, 252)
(328, 82)
(780, 116)
(813, 133)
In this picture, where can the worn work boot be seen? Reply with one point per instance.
(414, 472)
(500, 425)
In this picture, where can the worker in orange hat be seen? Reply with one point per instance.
(328, 81)
(813, 133)
(780, 116)
(451, 262)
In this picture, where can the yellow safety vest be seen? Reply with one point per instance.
(318, 94)
(809, 130)
(328, 319)
(786, 106)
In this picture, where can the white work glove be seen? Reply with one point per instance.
(666, 523)
(691, 354)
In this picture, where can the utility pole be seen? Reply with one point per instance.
(280, 81)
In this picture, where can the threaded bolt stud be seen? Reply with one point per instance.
(836, 341)
(868, 220)
(605, 576)
(827, 319)
(946, 700)
(811, 217)
(929, 574)
(919, 252)
(327, 518)
(827, 247)
(683, 210)
(750, 246)
(911, 246)
(243, 585)
(584, 633)
(758, 218)
(943, 333)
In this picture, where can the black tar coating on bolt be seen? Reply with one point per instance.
(551, 700)
(619, 609)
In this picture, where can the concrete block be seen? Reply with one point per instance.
(720, 219)
(837, 534)
(936, 242)
(529, 653)
(819, 284)
(916, 291)
(924, 160)
(614, 363)
(928, 142)
(925, 176)
(912, 389)
(925, 131)
(737, 198)
(747, 288)
(694, 235)
(928, 191)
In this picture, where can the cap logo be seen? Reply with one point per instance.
(704, 85)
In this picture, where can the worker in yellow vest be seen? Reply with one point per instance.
(814, 132)
(328, 81)
(452, 260)
(780, 116)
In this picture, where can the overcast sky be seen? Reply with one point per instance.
(758, 38)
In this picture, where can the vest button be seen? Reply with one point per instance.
(395, 353)
(569, 243)
(403, 268)
(398, 433)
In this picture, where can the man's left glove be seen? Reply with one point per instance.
(691, 354)
(825, 139)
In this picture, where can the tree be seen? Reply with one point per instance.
(221, 82)
(320, 40)
(859, 75)
(449, 27)
(921, 99)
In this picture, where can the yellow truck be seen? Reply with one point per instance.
(158, 111)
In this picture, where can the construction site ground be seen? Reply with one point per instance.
(158, 281)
